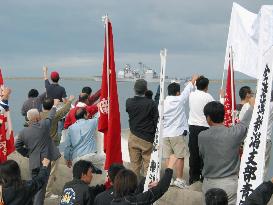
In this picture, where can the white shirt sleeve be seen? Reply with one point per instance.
(243, 110)
(186, 92)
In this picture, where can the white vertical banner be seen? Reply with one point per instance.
(253, 159)
(153, 173)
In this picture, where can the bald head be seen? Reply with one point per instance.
(33, 115)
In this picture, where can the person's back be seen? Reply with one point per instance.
(82, 136)
(197, 101)
(142, 113)
(219, 149)
(197, 123)
(214, 144)
(54, 90)
(217, 141)
(37, 141)
(80, 140)
(175, 119)
(34, 101)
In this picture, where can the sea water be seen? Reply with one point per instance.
(20, 90)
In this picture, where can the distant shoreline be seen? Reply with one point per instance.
(92, 79)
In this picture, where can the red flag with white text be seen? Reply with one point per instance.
(109, 120)
(229, 98)
(6, 132)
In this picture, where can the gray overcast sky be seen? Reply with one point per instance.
(67, 35)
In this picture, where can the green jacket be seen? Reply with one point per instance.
(54, 124)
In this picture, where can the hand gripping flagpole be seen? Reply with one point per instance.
(153, 172)
(106, 20)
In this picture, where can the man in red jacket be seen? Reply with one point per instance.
(83, 102)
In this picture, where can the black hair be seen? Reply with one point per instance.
(48, 103)
(140, 86)
(80, 113)
(216, 196)
(10, 174)
(173, 88)
(87, 90)
(244, 91)
(80, 168)
(215, 110)
(33, 93)
(202, 83)
(125, 183)
(83, 97)
(149, 94)
(113, 170)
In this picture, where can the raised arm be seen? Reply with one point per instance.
(184, 96)
(156, 192)
(65, 109)
(37, 182)
(45, 70)
(47, 83)
(51, 114)
(92, 110)
(261, 195)
(93, 98)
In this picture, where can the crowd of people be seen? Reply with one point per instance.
(214, 149)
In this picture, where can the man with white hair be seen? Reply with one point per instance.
(35, 143)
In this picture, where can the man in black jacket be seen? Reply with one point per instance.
(77, 191)
(143, 116)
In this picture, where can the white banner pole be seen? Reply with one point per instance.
(232, 86)
(106, 20)
(153, 173)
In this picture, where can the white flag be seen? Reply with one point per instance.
(253, 159)
(250, 36)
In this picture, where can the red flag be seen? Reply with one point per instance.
(6, 133)
(228, 98)
(109, 122)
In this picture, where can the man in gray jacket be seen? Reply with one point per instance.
(219, 148)
(35, 143)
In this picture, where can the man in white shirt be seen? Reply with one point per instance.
(245, 94)
(176, 127)
(197, 123)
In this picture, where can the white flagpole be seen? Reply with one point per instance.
(232, 86)
(106, 20)
(163, 55)
(153, 172)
